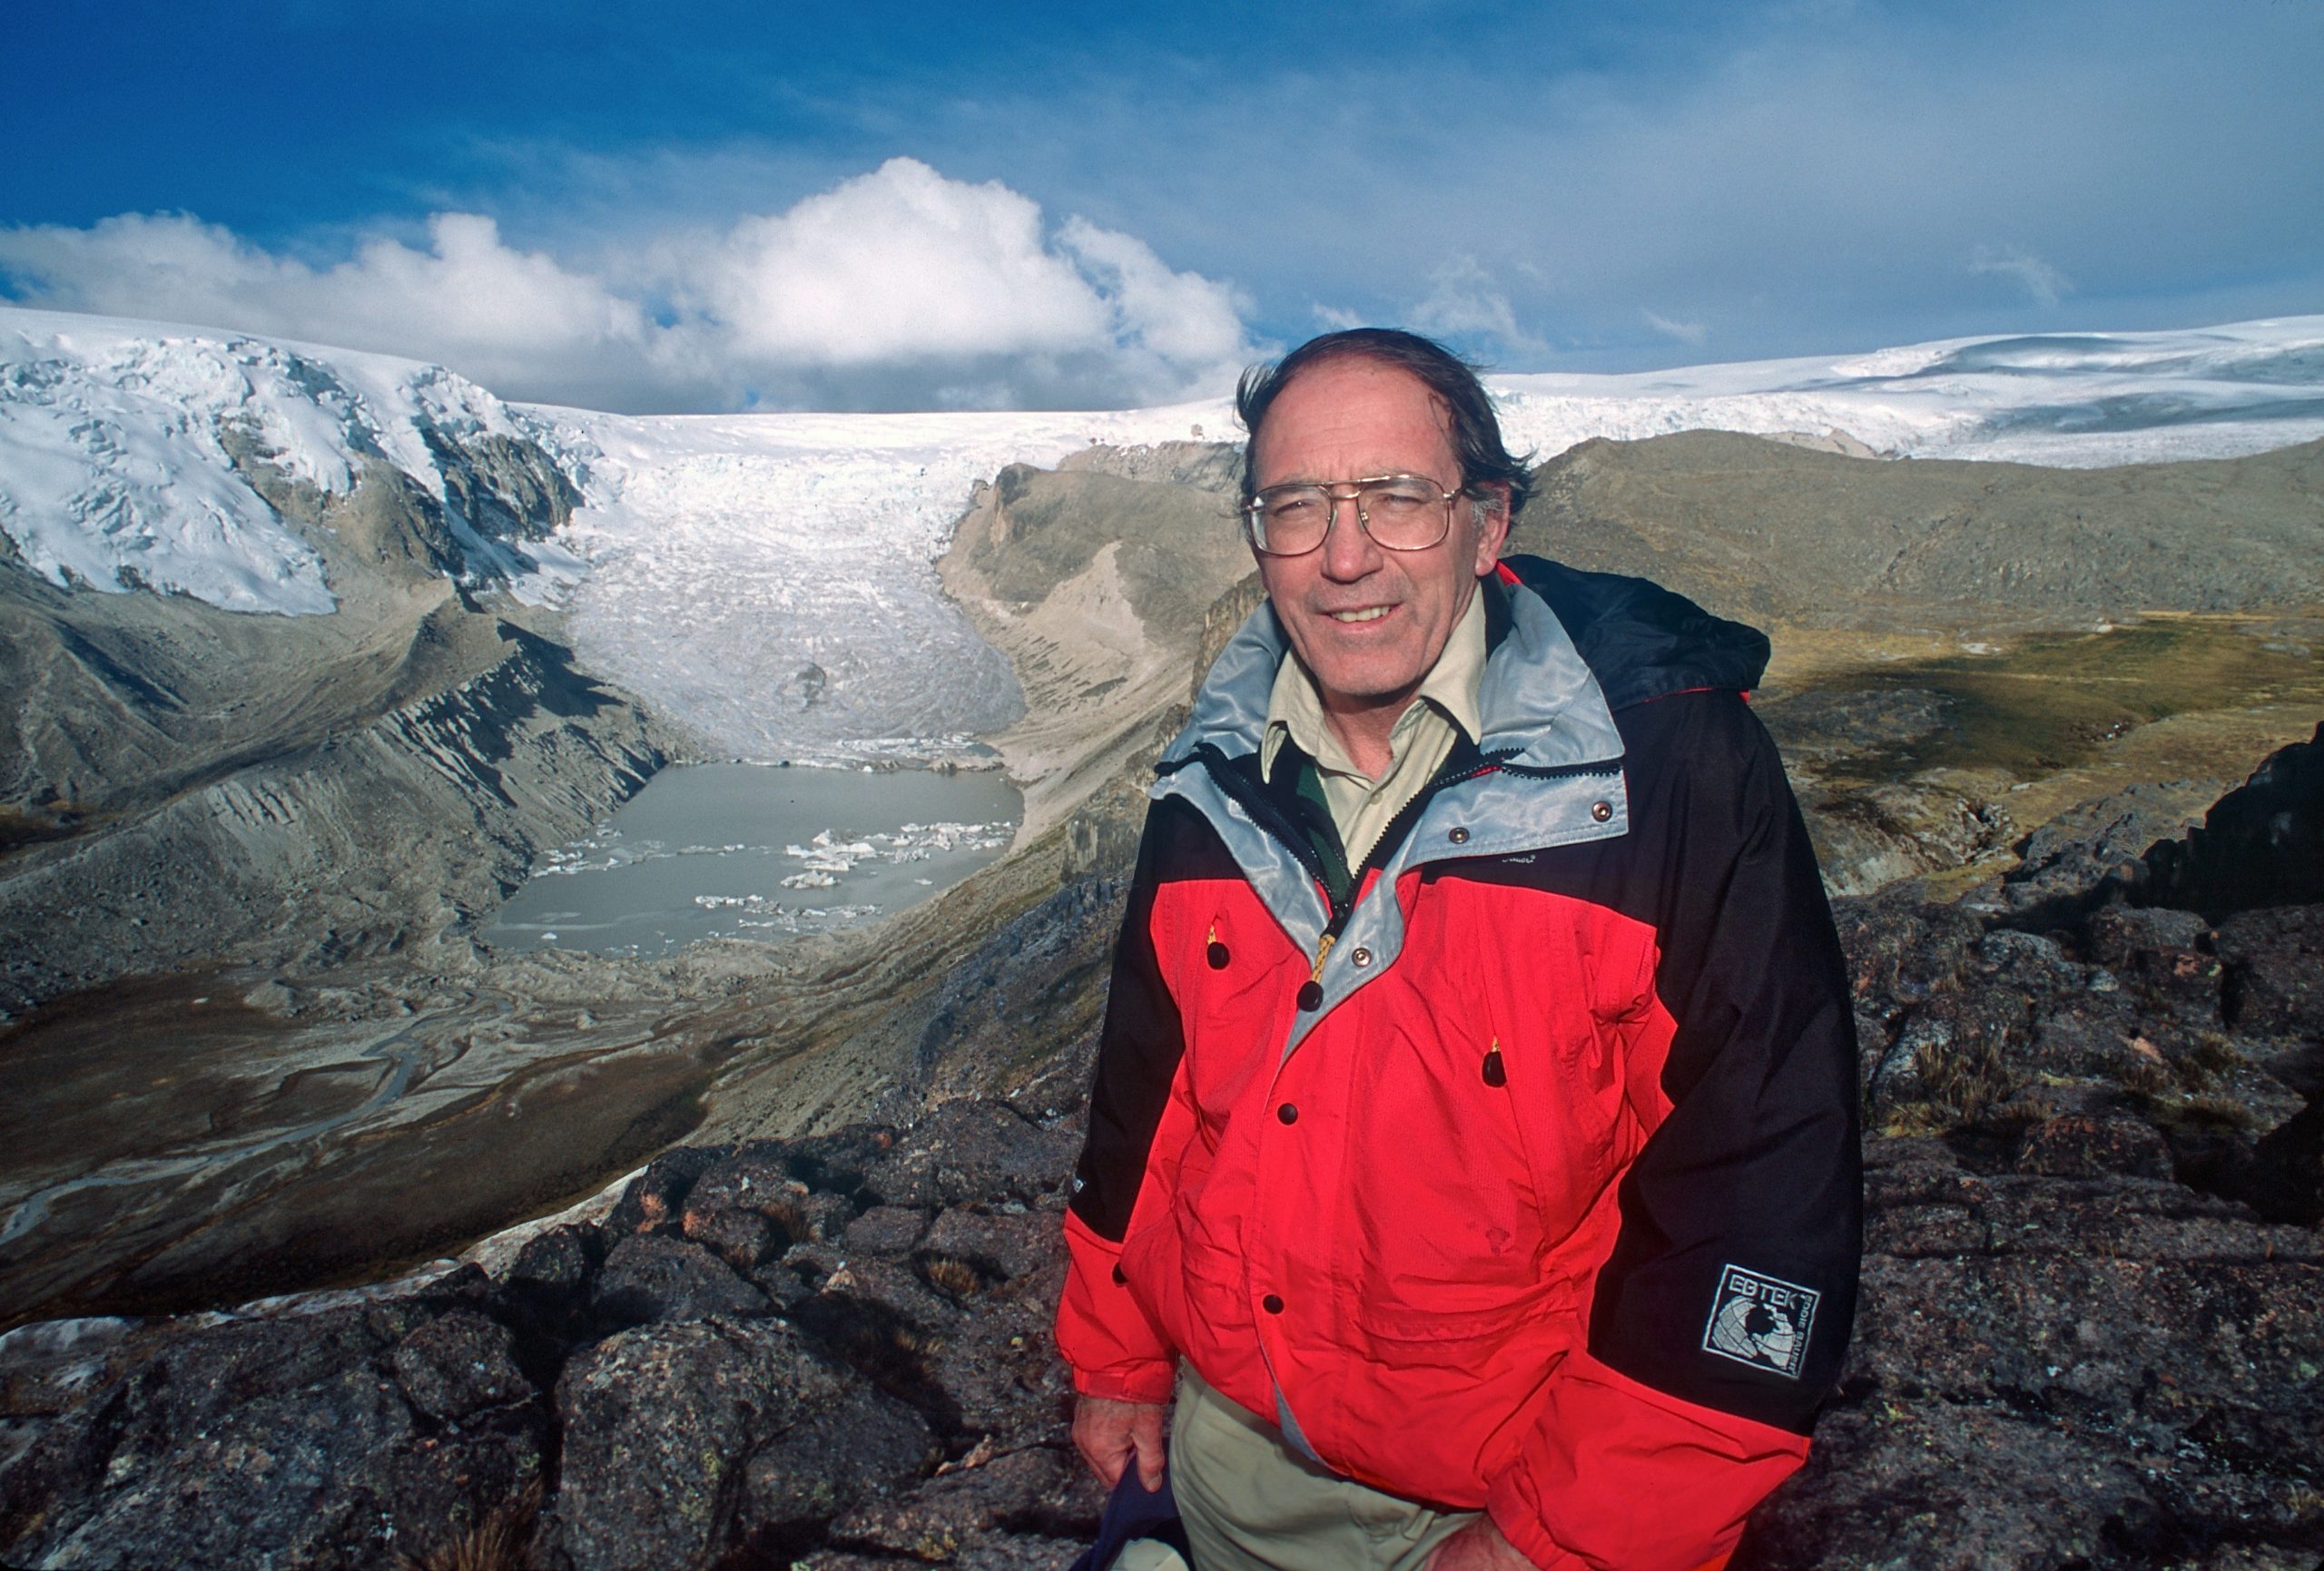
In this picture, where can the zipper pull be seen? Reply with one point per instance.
(1214, 951)
(1311, 991)
(1495, 1075)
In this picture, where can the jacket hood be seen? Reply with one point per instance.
(1644, 642)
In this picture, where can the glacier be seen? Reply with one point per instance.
(768, 580)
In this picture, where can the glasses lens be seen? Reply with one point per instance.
(1404, 512)
(1290, 519)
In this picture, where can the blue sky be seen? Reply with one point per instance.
(713, 206)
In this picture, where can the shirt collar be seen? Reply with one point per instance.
(1296, 706)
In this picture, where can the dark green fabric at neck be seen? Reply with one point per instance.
(1315, 817)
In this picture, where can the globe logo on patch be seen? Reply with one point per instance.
(1760, 1321)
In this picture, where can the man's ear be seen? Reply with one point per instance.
(1492, 533)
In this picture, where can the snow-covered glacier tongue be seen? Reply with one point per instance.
(769, 580)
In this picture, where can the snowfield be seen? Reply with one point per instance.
(768, 580)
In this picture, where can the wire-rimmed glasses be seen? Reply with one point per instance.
(1399, 512)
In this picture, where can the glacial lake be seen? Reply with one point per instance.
(738, 851)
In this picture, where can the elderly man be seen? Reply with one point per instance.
(1473, 1148)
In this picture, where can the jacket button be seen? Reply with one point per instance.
(1601, 812)
(1458, 835)
(1119, 1277)
(1287, 1113)
(1216, 956)
(1311, 994)
(1361, 957)
(1272, 1304)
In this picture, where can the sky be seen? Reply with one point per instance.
(870, 205)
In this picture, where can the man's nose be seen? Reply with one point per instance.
(1350, 551)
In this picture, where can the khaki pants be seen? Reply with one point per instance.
(1250, 1503)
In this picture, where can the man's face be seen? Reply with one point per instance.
(1369, 623)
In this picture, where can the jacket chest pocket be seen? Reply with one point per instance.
(1236, 983)
(1445, 1218)
(1559, 989)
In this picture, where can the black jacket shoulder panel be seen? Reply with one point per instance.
(1641, 640)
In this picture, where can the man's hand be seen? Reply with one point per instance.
(1111, 1434)
(1479, 1546)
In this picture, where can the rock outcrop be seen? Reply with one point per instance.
(2093, 1296)
(1094, 580)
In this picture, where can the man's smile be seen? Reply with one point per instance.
(1363, 613)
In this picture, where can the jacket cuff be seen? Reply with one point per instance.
(1155, 1383)
(1104, 1332)
(1617, 1473)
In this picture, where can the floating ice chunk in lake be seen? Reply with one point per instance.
(813, 878)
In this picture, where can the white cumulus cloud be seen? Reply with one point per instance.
(515, 320)
(896, 288)
(1464, 301)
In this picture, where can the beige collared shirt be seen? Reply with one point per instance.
(1423, 735)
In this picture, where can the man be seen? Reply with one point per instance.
(1474, 1146)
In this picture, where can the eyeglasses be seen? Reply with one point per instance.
(1399, 512)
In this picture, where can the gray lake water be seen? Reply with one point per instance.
(737, 851)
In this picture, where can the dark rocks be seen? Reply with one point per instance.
(886, 1228)
(743, 1239)
(2262, 844)
(2091, 1296)
(997, 1246)
(2048, 1371)
(752, 1346)
(2094, 853)
(1034, 1488)
(857, 1449)
(655, 1199)
(650, 1278)
(756, 1178)
(2083, 1147)
(661, 1426)
(287, 1441)
(557, 1261)
(2274, 984)
(459, 1364)
(974, 1151)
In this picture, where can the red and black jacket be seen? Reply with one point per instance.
(1516, 1169)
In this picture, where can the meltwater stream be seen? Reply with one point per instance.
(739, 850)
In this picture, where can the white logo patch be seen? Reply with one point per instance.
(1758, 1321)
